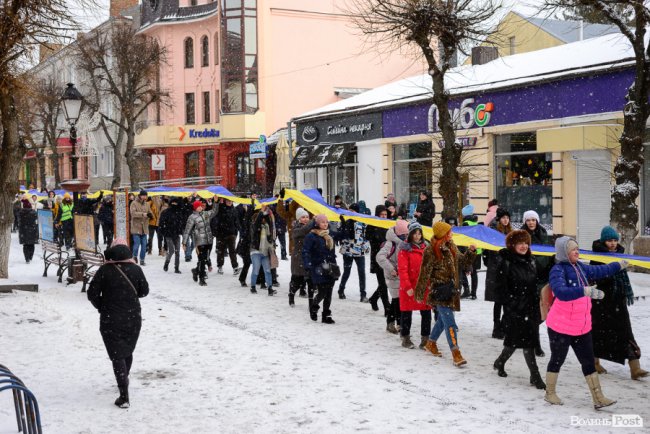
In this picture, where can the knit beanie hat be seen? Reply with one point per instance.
(468, 210)
(502, 212)
(196, 204)
(440, 229)
(608, 233)
(413, 226)
(67, 196)
(515, 237)
(401, 228)
(530, 214)
(300, 212)
(320, 218)
(142, 193)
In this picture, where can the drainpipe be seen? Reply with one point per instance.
(292, 171)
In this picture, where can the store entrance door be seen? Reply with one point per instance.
(593, 172)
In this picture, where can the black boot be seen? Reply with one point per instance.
(253, 290)
(292, 297)
(374, 299)
(465, 293)
(202, 282)
(535, 378)
(166, 266)
(500, 362)
(313, 312)
(272, 291)
(302, 293)
(123, 400)
(497, 331)
(195, 274)
(177, 271)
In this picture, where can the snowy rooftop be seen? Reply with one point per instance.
(569, 31)
(590, 55)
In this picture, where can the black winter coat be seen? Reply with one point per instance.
(298, 233)
(376, 236)
(314, 254)
(517, 291)
(27, 226)
(280, 223)
(87, 206)
(118, 302)
(226, 222)
(544, 263)
(256, 229)
(611, 331)
(428, 211)
(172, 221)
(244, 216)
(105, 214)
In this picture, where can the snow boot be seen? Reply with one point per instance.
(327, 320)
(635, 369)
(535, 378)
(292, 298)
(497, 332)
(539, 352)
(551, 382)
(390, 328)
(302, 293)
(407, 343)
(458, 358)
(341, 294)
(253, 290)
(599, 367)
(142, 264)
(272, 291)
(373, 301)
(236, 271)
(123, 400)
(166, 266)
(500, 363)
(596, 392)
(243, 284)
(465, 293)
(202, 282)
(177, 271)
(432, 347)
(219, 270)
(313, 312)
(195, 274)
(423, 342)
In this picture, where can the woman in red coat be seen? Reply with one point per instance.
(409, 260)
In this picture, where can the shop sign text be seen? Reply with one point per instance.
(465, 117)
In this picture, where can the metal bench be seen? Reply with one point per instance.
(53, 255)
(91, 261)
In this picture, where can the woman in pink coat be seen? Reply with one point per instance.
(409, 260)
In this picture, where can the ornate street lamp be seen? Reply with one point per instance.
(72, 101)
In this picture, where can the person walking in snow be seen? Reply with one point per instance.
(470, 219)
(64, 220)
(425, 210)
(319, 260)
(262, 245)
(299, 276)
(612, 329)
(227, 228)
(27, 228)
(569, 319)
(140, 214)
(171, 229)
(198, 229)
(376, 237)
(105, 218)
(354, 248)
(115, 291)
(501, 224)
(441, 263)
(244, 216)
(517, 286)
(409, 261)
(387, 260)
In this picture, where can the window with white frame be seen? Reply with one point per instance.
(93, 165)
(110, 161)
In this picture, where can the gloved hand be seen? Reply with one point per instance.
(624, 264)
(593, 292)
(630, 299)
(282, 193)
(149, 215)
(342, 218)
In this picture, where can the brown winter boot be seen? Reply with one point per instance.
(458, 358)
(599, 367)
(551, 382)
(635, 369)
(407, 343)
(432, 347)
(423, 342)
(596, 393)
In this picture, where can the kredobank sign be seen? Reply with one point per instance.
(352, 129)
(465, 117)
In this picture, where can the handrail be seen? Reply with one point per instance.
(28, 416)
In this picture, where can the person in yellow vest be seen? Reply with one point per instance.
(64, 220)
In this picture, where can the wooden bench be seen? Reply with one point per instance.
(53, 255)
(92, 261)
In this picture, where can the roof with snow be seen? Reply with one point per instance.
(569, 31)
(591, 55)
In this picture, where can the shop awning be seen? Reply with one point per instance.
(320, 156)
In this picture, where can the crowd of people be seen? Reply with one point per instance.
(585, 305)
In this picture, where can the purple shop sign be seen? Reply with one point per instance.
(573, 97)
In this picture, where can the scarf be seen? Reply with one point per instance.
(325, 233)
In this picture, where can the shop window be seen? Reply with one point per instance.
(205, 51)
(209, 163)
(192, 165)
(206, 107)
(342, 179)
(412, 172)
(190, 117)
(245, 171)
(523, 177)
(189, 52)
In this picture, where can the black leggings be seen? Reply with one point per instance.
(121, 369)
(582, 347)
(496, 313)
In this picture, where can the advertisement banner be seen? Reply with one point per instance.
(46, 225)
(121, 216)
(84, 232)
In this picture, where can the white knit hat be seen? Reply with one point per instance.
(301, 212)
(530, 214)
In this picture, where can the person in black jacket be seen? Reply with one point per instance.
(426, 209)
(105, 217)
(226, 228)
(377, 236)
(280, 230)
(115, 292)
(171, 225)
(517, 287)
(27, 229)
(244, 216)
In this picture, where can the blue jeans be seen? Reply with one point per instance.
(447, 323)
(139, 242)
(347, 269)
(259, 259)
(190, 247)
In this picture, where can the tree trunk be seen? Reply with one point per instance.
(11, 153)
(41, 168)
(132, 156)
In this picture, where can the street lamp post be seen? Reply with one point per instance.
(72, 100)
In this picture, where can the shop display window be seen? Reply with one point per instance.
(412, 172)
(192, 164)
(342, 179)
(523, 177)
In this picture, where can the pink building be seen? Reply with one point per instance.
(238, 69)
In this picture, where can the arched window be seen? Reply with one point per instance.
(216, 48)
(189, 53)
(205, 53)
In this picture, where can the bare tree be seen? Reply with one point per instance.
(123, 67)
(592, 15)
(624, 214)
(439, 29)
(24, 25)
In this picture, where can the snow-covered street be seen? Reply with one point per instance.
(219, 359)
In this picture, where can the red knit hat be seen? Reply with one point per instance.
(196, 204)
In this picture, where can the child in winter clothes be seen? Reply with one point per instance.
(354, 249)
(612, 331)
(569, 319)
(516, 283)
(441, 263)
(409, 260)
(387, 260)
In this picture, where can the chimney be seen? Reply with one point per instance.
(118, 6)
(483, 55)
